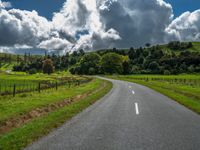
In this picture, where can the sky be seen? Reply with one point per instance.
(68, 25)
(40, 6)
(47, 10)
(180, 6)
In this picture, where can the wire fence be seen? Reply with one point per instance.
(182, 81)
(17, 87)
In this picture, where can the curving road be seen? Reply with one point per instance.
(130, 117)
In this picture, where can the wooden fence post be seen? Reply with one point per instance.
(56, 86)
(14, 90)
(39, 87)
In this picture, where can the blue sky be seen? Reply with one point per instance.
(43, 7)
(47, 7)
(180, 6)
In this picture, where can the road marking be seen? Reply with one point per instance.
(136, 109)
(133, 92)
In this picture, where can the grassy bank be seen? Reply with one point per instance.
(14, 83)
(185, 89)
(20, 137)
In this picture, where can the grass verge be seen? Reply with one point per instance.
(20, 137)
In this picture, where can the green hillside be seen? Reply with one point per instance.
(196, 46)
(172, 58)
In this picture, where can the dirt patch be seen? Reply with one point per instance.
(11, 123)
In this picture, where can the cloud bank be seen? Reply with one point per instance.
(186, 27)
(5, 4)
(97, 24)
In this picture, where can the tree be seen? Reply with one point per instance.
(126, 67)
(91, 71)
(114, 50)
(72, 70)
(191, 69)
(90, 63)
(25, 58)
(190, 45)
(154, 66)
(112, 63)
(141, 60)
(166, 72)
(135, 70)
(147, 44)
(74, 54)
(81, 52)
(72, 61)
(183, 67)
(32, 71)
(47, 66)
(131, 53)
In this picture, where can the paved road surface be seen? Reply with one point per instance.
(130, 117)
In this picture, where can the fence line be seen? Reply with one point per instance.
(183, 81)
(14, 88)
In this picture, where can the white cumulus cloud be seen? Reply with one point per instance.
(5, 4)
(79, 21)
(23, 27)
(97, 24)
(186, 27)
(138, 21)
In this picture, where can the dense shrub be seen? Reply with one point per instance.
(32, 71)
(47, 66)
(167, 72)
(111, 63)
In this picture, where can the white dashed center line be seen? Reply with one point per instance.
(133, 92)
(136, 109)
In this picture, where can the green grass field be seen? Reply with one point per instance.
(26, 83)
(19, 137)
(185, 89)
(196, 47)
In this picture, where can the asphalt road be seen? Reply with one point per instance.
(130, 117)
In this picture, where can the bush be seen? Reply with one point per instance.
(48, 67)
(17, 68)
(126, 67)
(92, 71)
(111, 63)
(89, 64)
(32, 71)
(154, 66)
(167, 72)
(72, 70)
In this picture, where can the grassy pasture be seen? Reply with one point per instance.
(6, 86)
(50, 108)
(28, 83)
(185, 89)
(19, 137)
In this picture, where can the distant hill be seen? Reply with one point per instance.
(194, 48)
(36, 51)
(32, 51)
(172, 58)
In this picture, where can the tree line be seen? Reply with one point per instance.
(148, 60)
(143, 60)
(48, 63)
